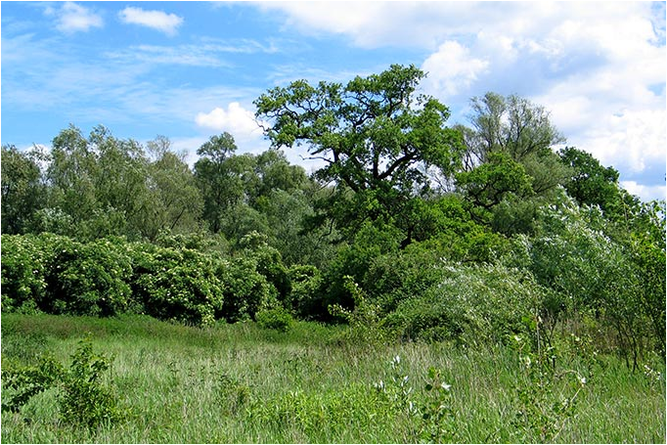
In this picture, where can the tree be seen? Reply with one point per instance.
(489, 183)
(22, 189)
(99, 183)
(590, 183)
(520, 129)
(71, 175)
(375, 135)
(220, 177)
(274, 173)
(175, 200)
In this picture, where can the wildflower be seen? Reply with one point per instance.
(445, 386)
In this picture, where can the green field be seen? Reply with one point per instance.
(235, 383)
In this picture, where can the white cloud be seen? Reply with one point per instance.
(645, 193)
(452, 69)
(159, 20)
(236, 120)
(72, 17)
(599, 67)
(205, 53)
(632, 139)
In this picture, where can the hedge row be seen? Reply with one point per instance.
(57, 275)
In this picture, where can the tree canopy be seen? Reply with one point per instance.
(376, 135)
(440, 232)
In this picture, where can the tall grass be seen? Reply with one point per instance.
(241, 383)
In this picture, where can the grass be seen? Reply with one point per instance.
(243, 384)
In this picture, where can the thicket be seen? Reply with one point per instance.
(419, 231)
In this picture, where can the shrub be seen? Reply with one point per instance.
(177, 284)
(83, 399)
(268, 262)
(23, 269)
(306, 282)
(246, 291)
(469, 305)
(594, 276)
(364, 320)
(278, 319)
(86, 279)
(57, 275)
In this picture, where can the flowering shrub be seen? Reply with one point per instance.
(179, 285)
(57, 275)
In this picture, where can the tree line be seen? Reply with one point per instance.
(447, 230)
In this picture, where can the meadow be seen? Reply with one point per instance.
(242, 383)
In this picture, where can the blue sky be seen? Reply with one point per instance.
(189, 70)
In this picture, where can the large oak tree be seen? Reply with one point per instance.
(376, 136)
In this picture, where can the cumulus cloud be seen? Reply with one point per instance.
(158, 20)
(72, 17)
(598, 67)
(645, 193)
(452, 69)
(236, 120)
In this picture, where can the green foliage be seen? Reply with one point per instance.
(23, 273)
(86, 278)
(180, 285)
(23, 192)
(55, 274)
(219, 177)
(512, 125)
(488, 184)
(111, 276)
(354, 260)
(439, 418)
(375, 133)
(410, 228)
(246, 290)
(176, 203)
(306, 283)
(268, 262)
(21, 383)
(470, 305)
(364, 326)
(83, 399)
(521, 130)
(97, 177)
(590, 183)
(592, 274)
(279, 319)
(543, 411)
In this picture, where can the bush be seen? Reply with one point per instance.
(86, 279)
(469, 305)
(246, 291)
(83, 399)
(594, 276)
(23, 270)
(303, 298)
(57, 275)
(181, 285)
(278, 319)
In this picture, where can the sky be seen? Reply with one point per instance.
(191, 70)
